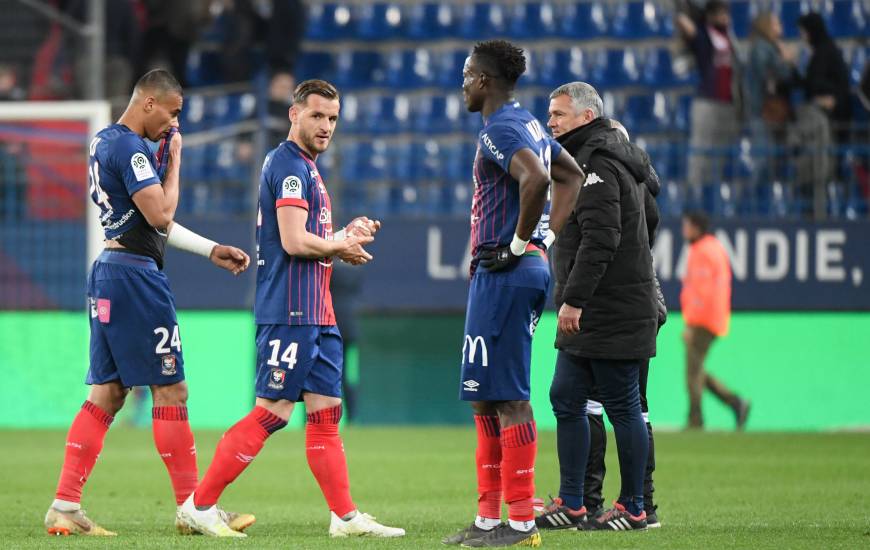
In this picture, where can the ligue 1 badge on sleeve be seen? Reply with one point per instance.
(167, 362)
(276, 379)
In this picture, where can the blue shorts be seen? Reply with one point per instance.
(296, 359)
(134, 331)
(503, 310)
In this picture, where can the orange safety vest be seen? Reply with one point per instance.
(706, 295)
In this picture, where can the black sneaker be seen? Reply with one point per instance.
(742, 413)
(558, 516)
(617, 519)
(652, 518)
(470, 532)
(505, 535)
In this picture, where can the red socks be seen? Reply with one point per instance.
(325, 454)
(238, 447)
(84, 441)
(488, 458)
(519, 446)
(174, 442)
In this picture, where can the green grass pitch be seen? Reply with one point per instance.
(715, 490)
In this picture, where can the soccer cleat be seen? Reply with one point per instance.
(207, 522)
(235, 521)
(505, 535)
(470, 532)
(558, 516)
(73, 523)
(617, 519)
(652, 518)
(742, 413)
(361, 525)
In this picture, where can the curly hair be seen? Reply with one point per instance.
(501, 59)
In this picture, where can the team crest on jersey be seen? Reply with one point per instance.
(167, 365)
(276, 379)
(141, 167)
(291, 188)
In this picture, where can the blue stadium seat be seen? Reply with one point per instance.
(635, 19)
(845, 18)
(427, 160)
(741, 17)
(315, 65)
(193, 116)
(437, 113)
(430, 20)
(194, 166)
(480, 20)
(860, 56)
(355, 69)
(401, 166)
(658, 69)
(856, 207)
(378, 114)
(665, 12)
(203, 68)
(582, 20)
(647, 113)
(330, 21)
(682, 113)
(837, 199)
(447, 66)
(532, 19)
(404, 69)
(378, 20)
(615, 67)
(572, 65)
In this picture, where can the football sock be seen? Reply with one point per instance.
(325, 453)
(487, 524)
(521, 525)
(488, 458)
(174, 442)
(519, 446)
(237, 448)
(84, 441)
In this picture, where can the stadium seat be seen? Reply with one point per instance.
(860, 57)
(378, 114)
(405, 69)
(741, 17)
(646, 113)
(193, 115)
(682, 113)
(315, 65)
(447, 66)
(837, 199)
(856, 207)
(532, 19)
(615, 67)
(665, 12)
(480, 20)
(355, 69)
(572, 65)
(378, 20)
(845, 18)
(658, 70)
(430, 20)
(437, 113)
(203, 68)
(635, 19)
(330, 21)
(582, 20)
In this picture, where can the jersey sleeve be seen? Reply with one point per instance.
(291, 186)
(499, 143)
(134, 161)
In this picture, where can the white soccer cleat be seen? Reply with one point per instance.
(208, 522)
(361, 525)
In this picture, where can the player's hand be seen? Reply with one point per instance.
(174, 147)
(230, 258)
(569, 319)
(496, 259)
(362, 226)
(352, 252)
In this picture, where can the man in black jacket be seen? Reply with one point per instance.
(604, 275)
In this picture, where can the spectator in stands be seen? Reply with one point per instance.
(715, 111)
(827, 111)
(766, 93)
(9, 88)
(706, 306)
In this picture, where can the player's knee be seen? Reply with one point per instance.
(174, 395)
(108, 397)
(483, 408)
(514, 412)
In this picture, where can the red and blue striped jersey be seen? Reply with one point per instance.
(292, 290)
(495, 207)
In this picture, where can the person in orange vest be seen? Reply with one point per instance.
(706, 306)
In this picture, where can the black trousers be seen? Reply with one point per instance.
(593, 497)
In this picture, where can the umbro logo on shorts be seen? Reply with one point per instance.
(470, 385)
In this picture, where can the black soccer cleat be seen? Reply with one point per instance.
(652, 518)
(617, 519)
(505, 535)
(741, 411)
(558, 516)
(469, 533)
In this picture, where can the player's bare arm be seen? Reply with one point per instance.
(534, 180)
(567, 176)
(297, 241)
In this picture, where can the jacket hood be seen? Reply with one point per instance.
(598, 136)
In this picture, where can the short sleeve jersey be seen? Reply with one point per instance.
(292, 290)
(120, 164)
(495, 207)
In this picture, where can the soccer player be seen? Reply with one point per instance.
(134, 332)
(510, 277)
(299, 348)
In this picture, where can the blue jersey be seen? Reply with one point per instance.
(292, 290)
(495, 207)
(120, 164)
